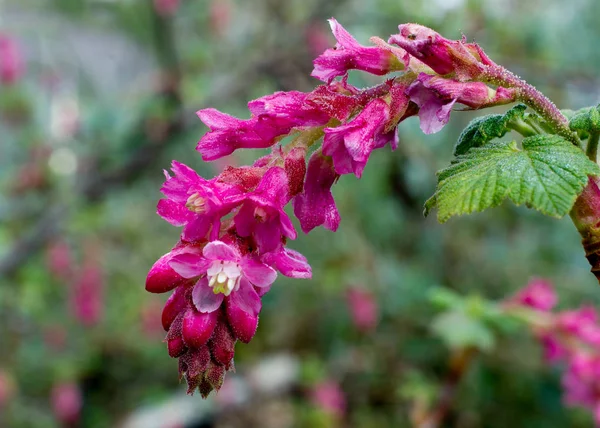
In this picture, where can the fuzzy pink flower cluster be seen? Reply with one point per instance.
(571, 337)
(235, 228)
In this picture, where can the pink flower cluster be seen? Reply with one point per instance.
(235, 228)
(571, 337)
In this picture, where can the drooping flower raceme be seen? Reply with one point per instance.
(235, 227)
(571, 337)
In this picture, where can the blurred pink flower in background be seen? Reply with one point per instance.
(87, 291)
(329, 397)
(363, 309)
(66, 402)
(166, 7)
(317, 38)
(538, 294)
(12, 66)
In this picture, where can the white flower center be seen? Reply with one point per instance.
(224, 276)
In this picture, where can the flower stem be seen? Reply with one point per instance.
(459, 364)
(529, 95)
(592, 146)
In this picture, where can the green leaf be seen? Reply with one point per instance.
(484, 129)
(547, 174)
(459, 330)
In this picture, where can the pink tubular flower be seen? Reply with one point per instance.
(581, 383)
(224, 272)
(442, 55)
(12, 66)
(262, 216)
(348, 54)
(196, 203)
(278, 113)
(581, 323)
(538, 294)
(289, 262)
(351, 144)
(228, 133)
(315, 205)
(436, 96)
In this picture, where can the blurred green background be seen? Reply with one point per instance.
(109, 99)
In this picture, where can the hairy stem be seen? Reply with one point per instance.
(529, 95)
(592, 146)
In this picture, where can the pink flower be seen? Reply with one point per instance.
(351, 144)
(581, 383)
(444, 56)
(553, 348)
(278, 113)
(315, 205)
(363, 308)
(335, 99)
(581, 323)
(349, 54)
(262, 215)
(329, 397)
(195, 203)
(436, 96)
(289, 262)
(66, 402)
(224, 273)
(228, 133)
(538, 294)
(12, 66)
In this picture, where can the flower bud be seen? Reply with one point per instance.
(215, 374)
(174, 305)
(176, 347)
(243, 324)
(198, 327)
(349, 54)
(315, 205)
(442, 55)
(222, 344)
(161, 277)
(295, 168)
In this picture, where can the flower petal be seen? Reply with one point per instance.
(246, 298)
(203, 297)
(259, 274)
(189, 265)
(217, 250)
